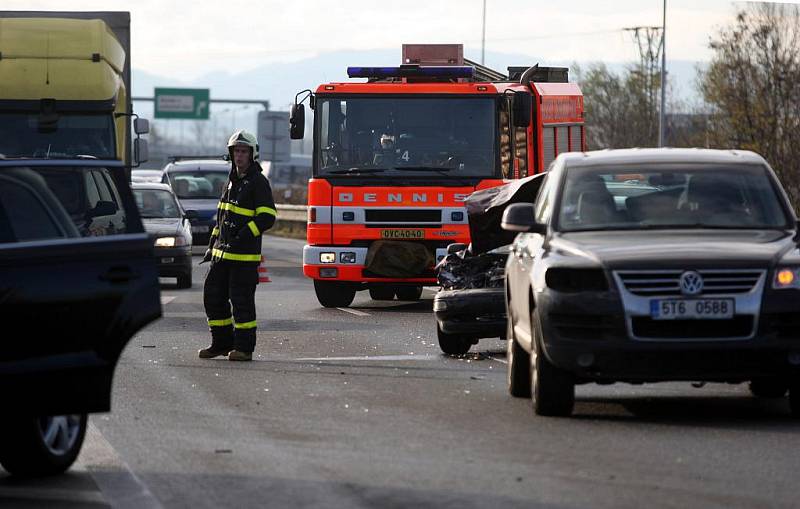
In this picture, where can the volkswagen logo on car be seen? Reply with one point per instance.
(691, 283)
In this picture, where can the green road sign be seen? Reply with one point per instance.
(189, 103)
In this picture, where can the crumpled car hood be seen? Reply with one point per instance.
(459, 271)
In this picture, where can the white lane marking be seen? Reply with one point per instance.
(353, 311)
(502, 361)
(166, 299)
(425, 357)
(185, 314)
(120, 486)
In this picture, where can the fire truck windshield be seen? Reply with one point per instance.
(452, 136)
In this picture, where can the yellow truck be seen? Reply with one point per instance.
(65, 87)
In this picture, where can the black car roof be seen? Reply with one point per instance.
(39, 163)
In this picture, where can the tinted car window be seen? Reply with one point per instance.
(597, 198)
(23, 214)
(85, 198)
(198, 184)
(156, 203)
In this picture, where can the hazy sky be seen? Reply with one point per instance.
(184, 39)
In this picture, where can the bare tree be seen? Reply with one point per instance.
(752, 88)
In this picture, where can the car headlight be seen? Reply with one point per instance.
(786, 277)
(170, 241)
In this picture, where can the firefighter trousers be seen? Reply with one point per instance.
(231, 284)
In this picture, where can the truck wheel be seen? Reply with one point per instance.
(381, 293)
(552, 389)
(334, 294)
(452, 344)
(185, 281)
(519, 366)
(768, 388)
(408, 292)
(39, 446)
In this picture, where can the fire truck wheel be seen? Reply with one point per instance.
(452, 344)
(381, 293)
(334, 294)
(408, 292)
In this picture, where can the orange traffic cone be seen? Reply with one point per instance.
(262, 272)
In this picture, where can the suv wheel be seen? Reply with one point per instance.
(452, 344)
(334, 294)
(794, 397)
(185, 281)
(552, 389)
(768, 388)
(519, 366)
(39, 446)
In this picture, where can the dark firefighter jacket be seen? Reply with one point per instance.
(245, 211)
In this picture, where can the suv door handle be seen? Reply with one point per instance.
(119, 275)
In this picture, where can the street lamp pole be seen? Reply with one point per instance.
(483, 34)
(662, 115)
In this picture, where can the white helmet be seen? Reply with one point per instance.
(242, 137)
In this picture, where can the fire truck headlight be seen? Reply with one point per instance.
(348, 216)
(327, 257)
(347, 257)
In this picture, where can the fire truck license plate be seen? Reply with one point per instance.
(402, 234)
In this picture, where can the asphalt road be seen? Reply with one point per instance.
(358, 408)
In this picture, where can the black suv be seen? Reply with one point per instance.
(77, 280)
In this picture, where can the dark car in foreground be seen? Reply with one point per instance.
(198, 183)
(77, 281)
(166, 221)
(471, 304)
(698, 280)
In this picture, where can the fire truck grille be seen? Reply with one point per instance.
(403, 216)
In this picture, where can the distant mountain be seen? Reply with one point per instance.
(279, 82)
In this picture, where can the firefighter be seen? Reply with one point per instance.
(245, 211)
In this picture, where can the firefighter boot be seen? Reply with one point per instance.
(213, 351)
(238, 355)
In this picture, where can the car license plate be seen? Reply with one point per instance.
(402, 234)
(692, 309)
(199, 229)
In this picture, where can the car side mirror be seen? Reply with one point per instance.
(190, 214)
(522, 109)
(456, 247)
(519, 217)
(297, 122)
(103, 208)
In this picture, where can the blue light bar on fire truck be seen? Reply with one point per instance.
(412, 71)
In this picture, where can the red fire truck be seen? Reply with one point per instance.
(395, 156)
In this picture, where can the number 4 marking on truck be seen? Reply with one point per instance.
(405, 156)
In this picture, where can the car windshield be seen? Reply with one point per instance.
(154, 203)
(198, 184)
(604, 198)
(71, 135)
(445, 136)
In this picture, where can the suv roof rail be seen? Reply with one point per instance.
(223, 157)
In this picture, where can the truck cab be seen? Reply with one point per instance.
(64, 88)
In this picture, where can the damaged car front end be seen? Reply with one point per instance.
(471, 303)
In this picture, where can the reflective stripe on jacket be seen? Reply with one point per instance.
(245, 211)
